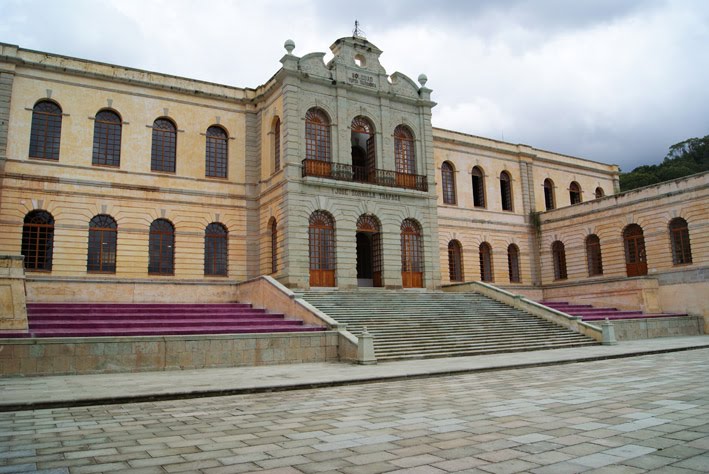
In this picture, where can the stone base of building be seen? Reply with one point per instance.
(633, 329)
(13, 308)
(60, 356)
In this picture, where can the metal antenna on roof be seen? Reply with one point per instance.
(357, 32)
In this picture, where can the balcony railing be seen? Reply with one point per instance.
(359, 174)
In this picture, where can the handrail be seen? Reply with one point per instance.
(359, 174)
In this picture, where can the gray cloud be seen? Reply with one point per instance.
(602, 79)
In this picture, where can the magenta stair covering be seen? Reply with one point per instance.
(588, 312)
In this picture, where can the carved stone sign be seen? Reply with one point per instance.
(359, 79)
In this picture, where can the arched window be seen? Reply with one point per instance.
(574, 193)
(38, 240)
(405, 157)
(478, 187)
(164, 147)
(107, 139)
(486, 271)
(599, 192)
(593, 255)
(549, 201)
(681, 247)
(558, 254)
(506, 191)
(277, 144)
(273, 227)
(513, 263)
(216, 253)
(103, 234)
(411, 254)
(363, 149)
(317, 135)
(448, 183)
(321, 238)
(161, 248)
(455, 261)
(217, 152)
(635, 257)
(46, 130)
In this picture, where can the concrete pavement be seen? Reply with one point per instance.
(18, 393)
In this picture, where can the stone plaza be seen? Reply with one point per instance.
(645, 413)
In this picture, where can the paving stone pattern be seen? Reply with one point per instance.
(642, 414)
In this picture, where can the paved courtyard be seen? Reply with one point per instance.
(641, 414)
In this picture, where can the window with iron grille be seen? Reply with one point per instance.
(681, 247)
(161, 250)
(448, 183)
(559, 257)
(599, 192)
(274, 245)
(404, 150)
(103, 233)
(107, 139)
(574, 193)
(455, 261)
(485, 252)
(164, 146)
(321, 232)
(46, 130)
(513, 263)
(277, 144)
(216, 244)
(217, 152)
(593, 255)
(38, 240)
(549, 201)
(506, 191)
(478, 187)
(317, 135)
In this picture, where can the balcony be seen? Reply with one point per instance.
(359, 174)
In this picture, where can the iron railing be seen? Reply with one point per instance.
(359, 174)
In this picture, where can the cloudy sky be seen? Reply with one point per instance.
(616, 81)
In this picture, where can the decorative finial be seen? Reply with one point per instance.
(423, 80)
(289, 45)
(357, 32)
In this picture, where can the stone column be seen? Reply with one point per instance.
(13, 303)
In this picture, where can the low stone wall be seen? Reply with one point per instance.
(13, 309)
(30, 357)
(632, 329)
(639, 293)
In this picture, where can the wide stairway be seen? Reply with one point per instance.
(425, 324)
(160, 319)
(588, 312)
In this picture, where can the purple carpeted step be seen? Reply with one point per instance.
(134, 316)
(118, 325)
(633, 316)
(95, 332)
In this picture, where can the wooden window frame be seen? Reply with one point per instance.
(102, 248)
(513, 270)
(478, 184)
(108, 127)
(455, 261)
(506, 192)
(161, 248)
(273, 227)
(575, 193)
(549, 198)
(322, 249)
(448, 183)
(38, 241)
(163, 154)
(680, 242)
(594, 256)
(318, 140)
(216, 250)
(46, 130)
(217, 153)
(486, 269)
(277, 144)
(558, 255)
(635, 250)
(404, 150)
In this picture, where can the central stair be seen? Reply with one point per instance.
(417, 324)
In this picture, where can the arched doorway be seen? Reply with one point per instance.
(411, 254)
(321, 236)
(363, 150)
(369, 251)
(635, 257)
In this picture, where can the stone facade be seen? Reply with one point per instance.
(342, 139)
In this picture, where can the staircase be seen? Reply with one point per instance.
(142, 319)
(588, 312)
(416, 324)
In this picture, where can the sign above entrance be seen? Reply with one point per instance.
(366, 194)
(359, 79)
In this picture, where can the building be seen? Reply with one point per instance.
(119, 184)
